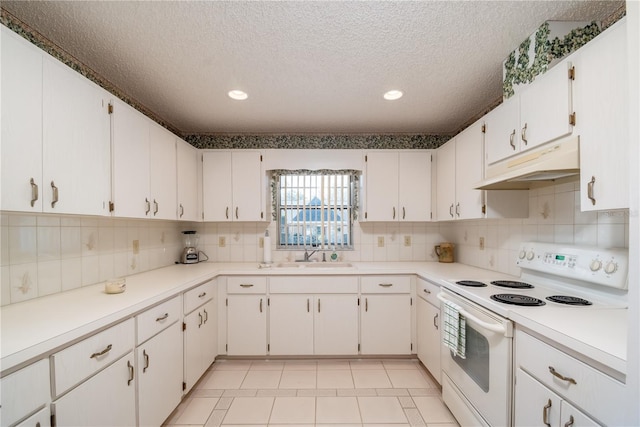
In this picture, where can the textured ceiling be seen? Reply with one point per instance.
(308, 66)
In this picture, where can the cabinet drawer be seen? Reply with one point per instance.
(593, 391)
(157, 319)
(198, 296)
(314, 285)
(428, 291)
(246, 285)
(24, 391)
(81, 360)
(385, 284)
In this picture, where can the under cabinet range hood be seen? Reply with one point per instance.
(549, 162)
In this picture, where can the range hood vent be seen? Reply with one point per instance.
(552, 161)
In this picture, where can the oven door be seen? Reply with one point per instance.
(483, 379)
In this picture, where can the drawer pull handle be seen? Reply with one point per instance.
(206, 316)
(451, 210)
(512, 138)
(200, 316)
(394, 212)
(236, 212)
(570, 422)
(308, 308)
(146, 361)
(260, 305)
(147, 204)
(163, 317)
(130, 366)
(54, 199)
(545, 413)
(366, 304)
(181, 210)
(246, 285)
(226, 212)
(385, 285)
(403, 212)
(523, 135)
(590, 185)
(427, 291)
(34, 192)
(562, 377)
(202, 295)
(155, 210)
(435, 321)
(318, 305)
(101, 353)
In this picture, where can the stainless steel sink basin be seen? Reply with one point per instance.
(314, 265)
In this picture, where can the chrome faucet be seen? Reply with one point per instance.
(307, 255)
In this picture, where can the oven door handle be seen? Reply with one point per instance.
(493, 327)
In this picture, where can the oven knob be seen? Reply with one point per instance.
(522, 254)
(530, 255)
(611, 267)
(595, 265)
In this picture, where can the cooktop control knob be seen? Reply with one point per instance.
(530, 255)
(611, 267)
(595, 265)
(522, 254)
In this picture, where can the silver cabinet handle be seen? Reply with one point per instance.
(130, 366)
(155, 205)
(246, 285)
(54, 199)
(202, 295)
(260, 305)
(146, 361)
(590, 185)
(226, 212)
(523, 135)
(308, 305)
(385, 285)
(34, 192)
(163, 317)
(451, 210)
(148, 205)
(435, 320)
(545, 413)
(206, 316)
(458, 209)
(570, 422)
(236, 212)
(366, 304)
(512, 138)
(560, 376)
(427, 291)
(394, 212)
(101, 353)
(181, 210)
(403, 212)
(200, 316)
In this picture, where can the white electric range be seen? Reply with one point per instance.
(560, 288)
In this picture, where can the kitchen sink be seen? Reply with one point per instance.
(314, 265)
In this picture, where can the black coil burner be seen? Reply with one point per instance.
(511, 284)
(472, 283)
(515, 299)
(568, 300)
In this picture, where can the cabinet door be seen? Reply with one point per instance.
(246, 325)
(534, 403)
(162, 170)
(246, 168)
(446, 181)
(187, 171)
(469, 172)
(385, 324)
(159, 376)
(130, 162)
(200, 342)
(428, 319)
(382, 187)
(76, 158)
(545, 107)
(572, 416)
(217, 191)
(21, 122)
(502, 138)
(290, 325)
(335, 325)
(209, 333)
(414, 186)
(601, 104)
(106, 399)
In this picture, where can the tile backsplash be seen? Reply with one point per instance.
(46, 254)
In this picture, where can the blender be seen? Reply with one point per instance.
(190, 251)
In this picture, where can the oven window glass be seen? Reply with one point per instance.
(476, 363)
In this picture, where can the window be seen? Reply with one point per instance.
(314, 209)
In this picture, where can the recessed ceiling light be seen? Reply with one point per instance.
(392, 95)
(238, 95)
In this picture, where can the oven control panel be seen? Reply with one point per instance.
(607, 267)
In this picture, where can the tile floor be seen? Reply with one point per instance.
(353, 392)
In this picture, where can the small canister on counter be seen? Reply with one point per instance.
(444, 252)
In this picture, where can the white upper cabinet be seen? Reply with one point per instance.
(187, 171)
(601, 102)
(21, 124)
(233, 186)
(539, 114)
(144, 166)
(55, 135)
(398, 186)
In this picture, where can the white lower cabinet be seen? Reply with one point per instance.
(335, 329)
(291, 324)
(24, 392)
(428, 327)
(246, 325)
(106, 399)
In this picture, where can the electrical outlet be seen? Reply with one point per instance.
(222, 242)
(136, 247)
(261, 243)
(482, 243)
(407, 240)
(381, 241)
